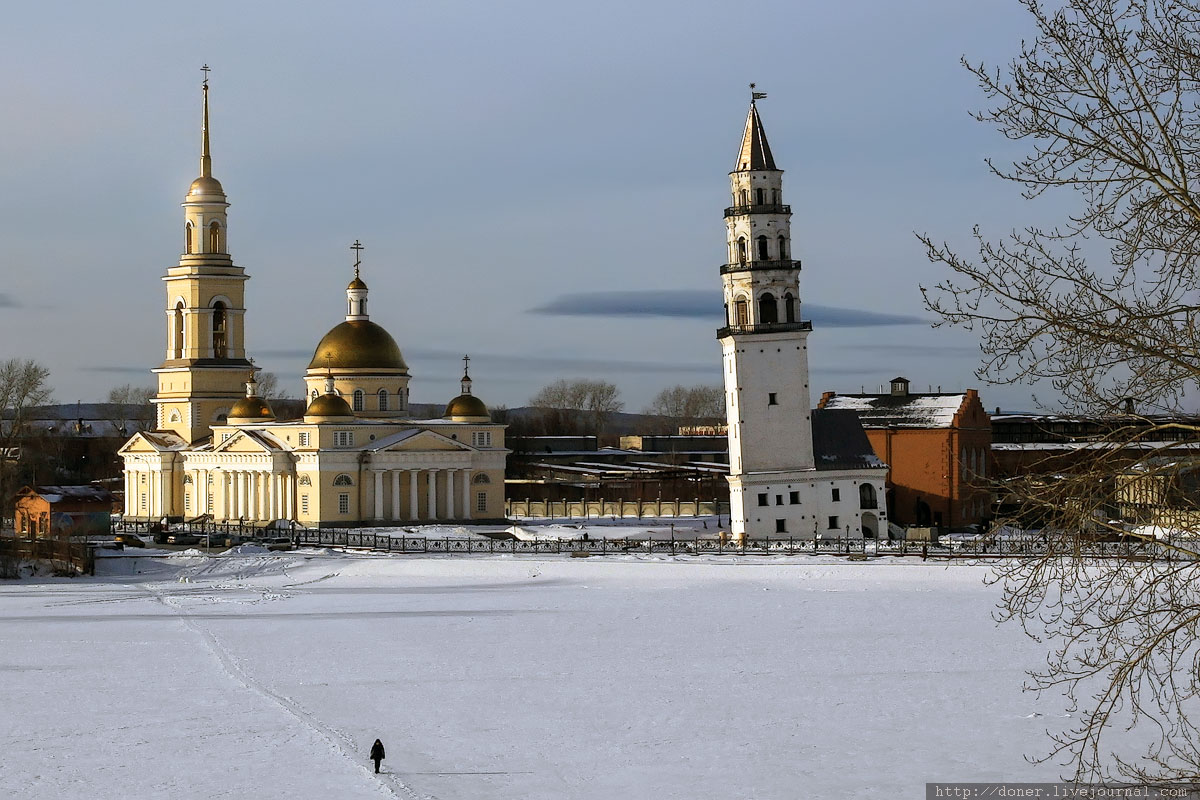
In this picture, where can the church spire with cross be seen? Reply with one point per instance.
(203, 373)
(356, 292)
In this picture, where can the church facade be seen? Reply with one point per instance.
(792, 471)
(218, 452)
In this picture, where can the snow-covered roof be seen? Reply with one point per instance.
(57, 494)
(901, 411)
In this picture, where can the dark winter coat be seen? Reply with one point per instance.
(377, 751)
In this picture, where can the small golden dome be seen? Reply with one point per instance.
(252, 409)
(357, 283)
(205, 185)
(329, 405)
(358, 344)
(466, 405)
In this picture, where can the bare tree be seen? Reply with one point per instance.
(132, 408)
(269, 388)
(23, 385)
(588, 405)
(690, 404)
(1102, 307)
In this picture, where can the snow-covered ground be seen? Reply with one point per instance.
(268, 675)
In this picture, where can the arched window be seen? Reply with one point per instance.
(742, 311)
(745, 193)
(314, 394)
(763, 252)
(789, 308)
(728, 321)
(760, 196)
(866, 496)
(220, 332)
(343, 480)
(783, 252)
(383, 400)
(481, 479)
(768, 310)
(214, 238)
(358, 399)
(178, 331)
(187, 242)
(741, 250)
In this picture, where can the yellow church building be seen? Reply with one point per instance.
(218, 451)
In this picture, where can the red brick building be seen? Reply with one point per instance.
(45, 512)
(937, 446)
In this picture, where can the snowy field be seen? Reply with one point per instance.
(269, 675)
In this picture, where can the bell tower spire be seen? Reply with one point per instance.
(205, 151)
(202, 376)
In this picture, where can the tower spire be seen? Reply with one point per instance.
(755, 152)
(356, 292)
(205, 154)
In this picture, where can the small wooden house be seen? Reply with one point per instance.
(59, 512)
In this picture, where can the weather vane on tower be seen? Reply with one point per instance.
(756, 95)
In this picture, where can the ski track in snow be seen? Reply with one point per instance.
(338, 741)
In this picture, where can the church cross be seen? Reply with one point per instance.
(357, 248)
(466, 364)
(205, 69)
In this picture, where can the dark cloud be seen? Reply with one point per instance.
(695, 304)
(917, 349)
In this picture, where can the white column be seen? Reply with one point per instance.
(156, 492)
(130, 496)
(242, 494)
(395, 494)
(202, 492)
(378, 493)
(264, 482)
(450, 494)
(412, 494)
(432, 494)
(466, 494)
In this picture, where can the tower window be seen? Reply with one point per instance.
(187, 241)
(782, 248)
(763, 252)
(836, 495)
(358, 399)
(760, 196)
(789, 307)
(833, 523)
(177, 350)
(383, 400)
(781, 526)
(220, 335)
(762, 499)
(214, 238)
(771, 399)
(794, 498)
(741, 249)
(768, 310)
(742, 308)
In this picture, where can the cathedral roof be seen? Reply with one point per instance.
(328, 405)
(755, 152)
(358, 344)
(466, 405)
(251, 409)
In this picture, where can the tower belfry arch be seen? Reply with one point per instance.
(205, 362)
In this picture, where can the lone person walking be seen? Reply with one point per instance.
(377, 753)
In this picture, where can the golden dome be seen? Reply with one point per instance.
(358, 344)
(329, 405)
(466, 405)
(357, 283)
(205, 185)
(252, 408)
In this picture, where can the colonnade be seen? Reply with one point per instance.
(442, 499)
(250, 494)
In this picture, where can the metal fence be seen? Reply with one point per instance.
(62, 555)
(977, 548)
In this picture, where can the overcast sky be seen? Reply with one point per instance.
(540, 184)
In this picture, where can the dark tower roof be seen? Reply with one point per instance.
(755, 152)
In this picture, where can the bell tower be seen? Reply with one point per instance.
(764, 342)
(205, 366)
